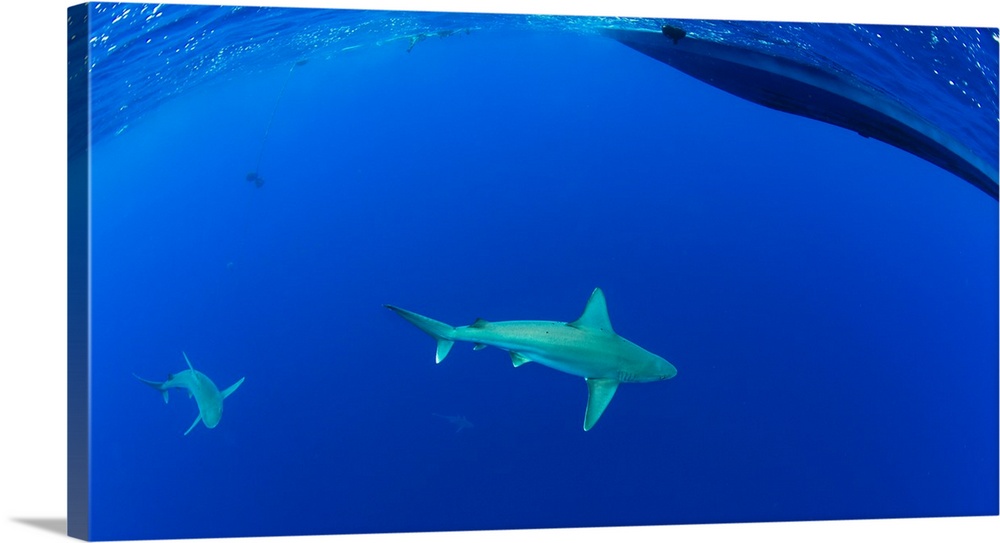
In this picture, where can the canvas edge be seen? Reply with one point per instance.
(78, 273)
(78, 282)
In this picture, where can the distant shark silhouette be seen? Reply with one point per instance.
(802, 89)
(587, 347)
(458, 420)
(201, 388)
(414, 39)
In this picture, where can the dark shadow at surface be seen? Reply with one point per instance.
(829, 96)
(55, 525)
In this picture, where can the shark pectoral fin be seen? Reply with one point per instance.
(518, 359)
(478, 347)
(231, 389)
(443, 348)
(193, 424)
(600, 393)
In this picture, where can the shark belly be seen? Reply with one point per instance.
(210, 407)
(206, 395)
(553, 344)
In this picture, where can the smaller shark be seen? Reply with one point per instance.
(458, 420)
(587, 347)
(199, 387)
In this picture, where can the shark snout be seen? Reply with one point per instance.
(668, 371)
(212, 417)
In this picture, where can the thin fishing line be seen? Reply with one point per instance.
(254, 176)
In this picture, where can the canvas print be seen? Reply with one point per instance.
(350, 271)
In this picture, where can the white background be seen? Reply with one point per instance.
(33, 264)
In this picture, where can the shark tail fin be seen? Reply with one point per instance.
(157, 386)
(440, 331)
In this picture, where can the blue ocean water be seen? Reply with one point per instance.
(830, 302)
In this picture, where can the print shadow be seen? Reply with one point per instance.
(55, 525)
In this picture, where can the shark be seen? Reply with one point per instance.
(458, 420)
(206, 395)
(587, 347)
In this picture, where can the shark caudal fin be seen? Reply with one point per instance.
(157, 386)
(436, 329)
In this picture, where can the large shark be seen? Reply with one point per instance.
(201, 388)
(587, 347)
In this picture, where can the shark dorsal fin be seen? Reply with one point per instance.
(480, 323)
(595, 315)
(188, 361)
